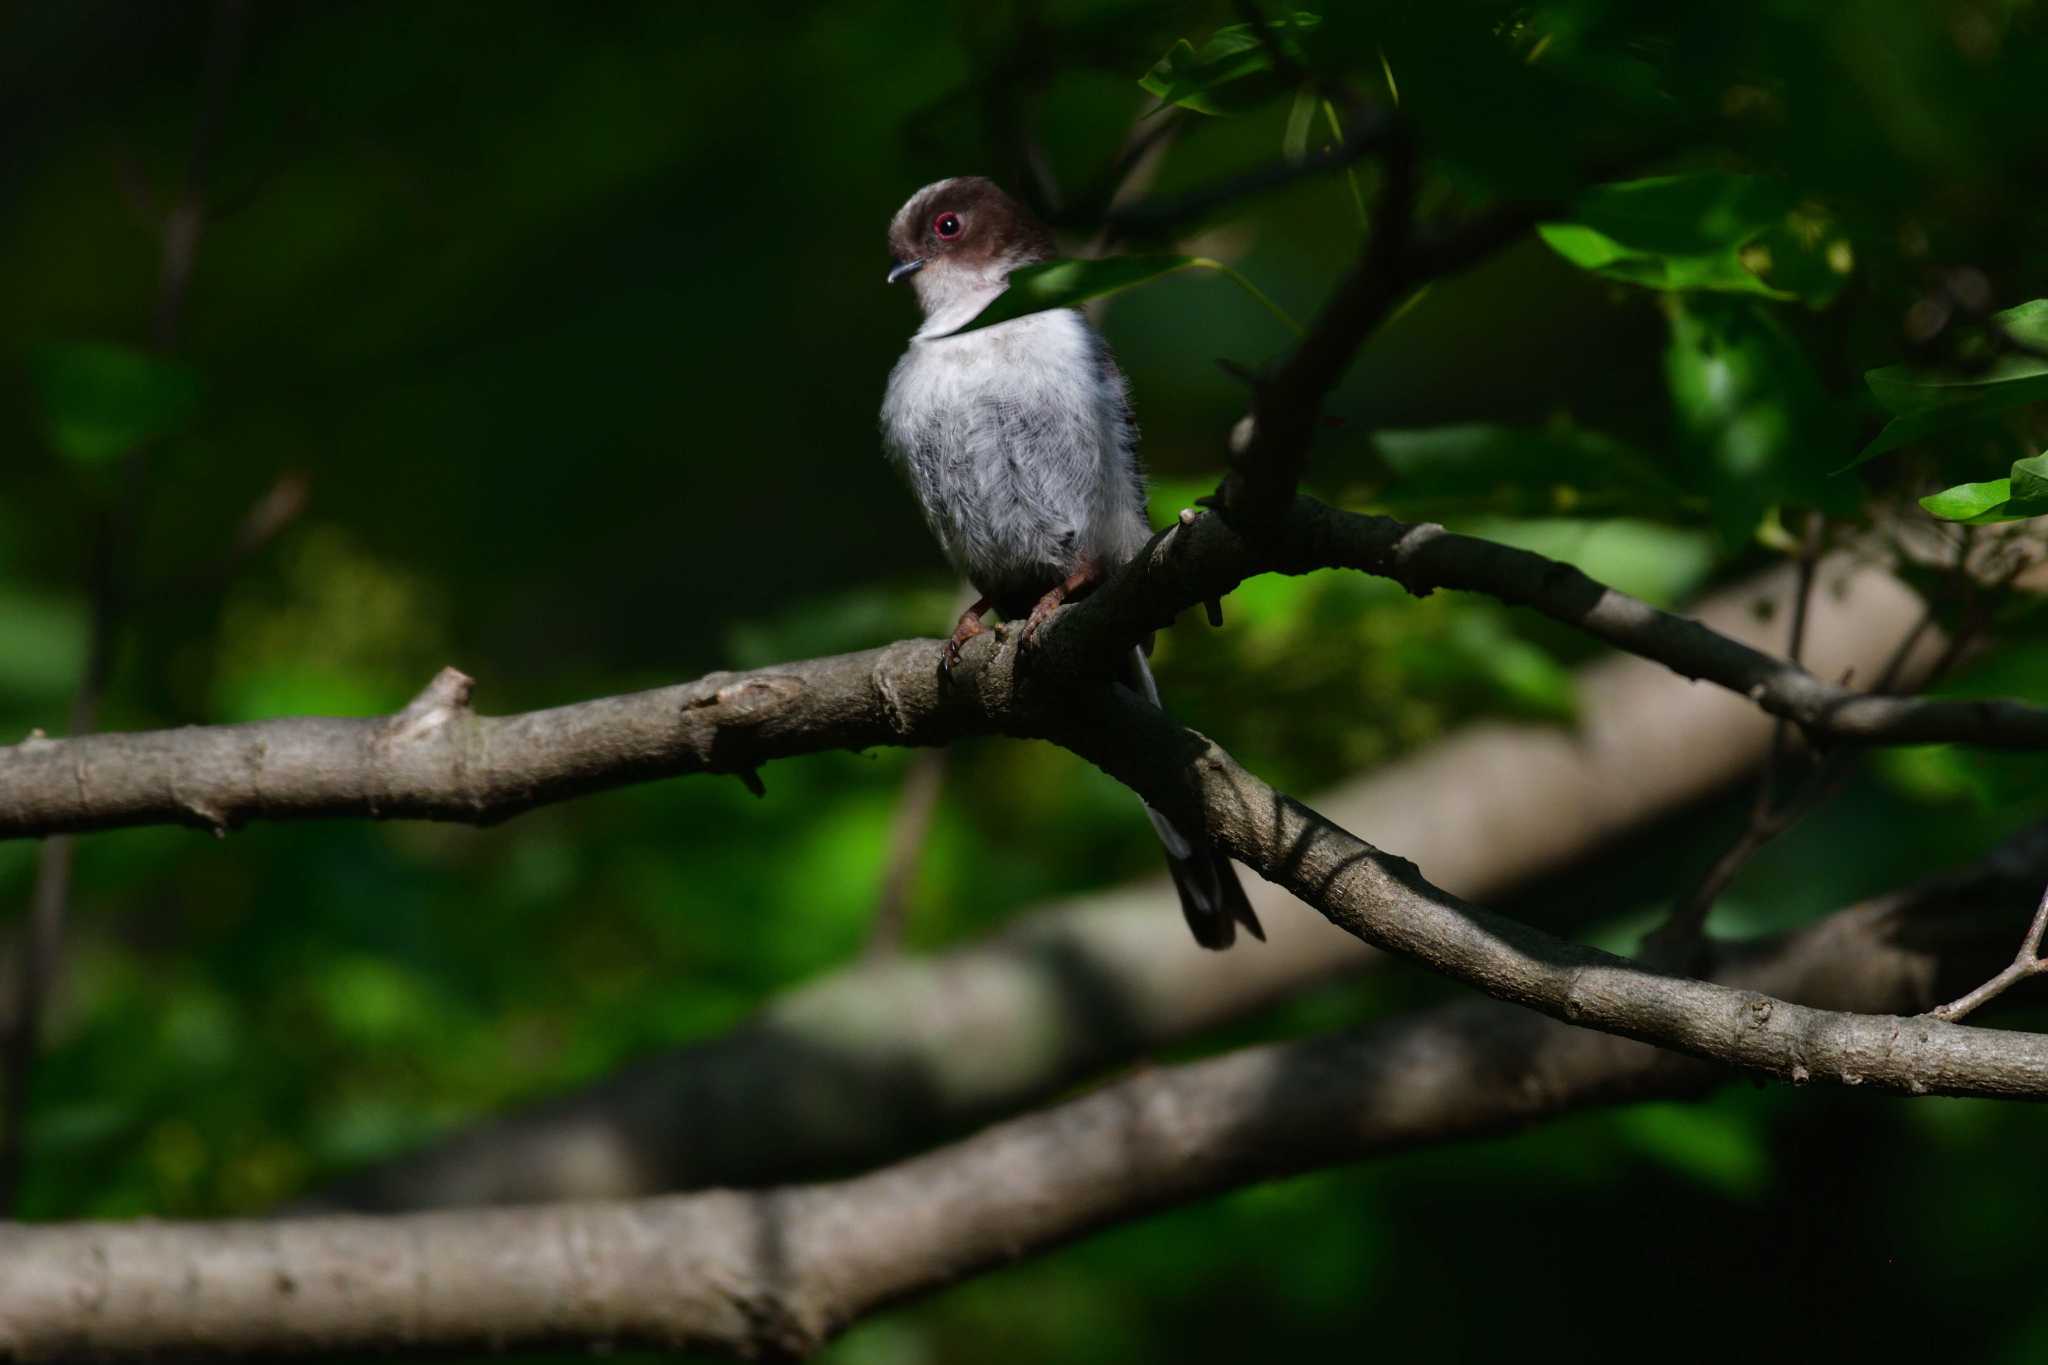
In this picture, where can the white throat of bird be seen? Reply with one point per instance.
(952, 294)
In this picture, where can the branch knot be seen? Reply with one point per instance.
(438, 702)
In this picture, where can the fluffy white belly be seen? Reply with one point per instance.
(1017, 444)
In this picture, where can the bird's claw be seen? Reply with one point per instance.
(1040, 614)
(970, 626)
(1079, 581)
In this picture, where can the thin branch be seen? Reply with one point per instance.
(2025, 963)
(1682, 930)
(1980, 605)
(269, 515)
(908, 831)
(1207, 558)
(780, 1271)
(1774, 813)
(1127, 178)
(1148, 139)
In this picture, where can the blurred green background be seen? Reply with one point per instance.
(557, 333)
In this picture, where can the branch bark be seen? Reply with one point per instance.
(779, 1271)
(440, 760)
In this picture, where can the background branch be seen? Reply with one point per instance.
(782, 1270)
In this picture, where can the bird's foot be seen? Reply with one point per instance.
(1077, 582)
(968, 627)
(1045, 607)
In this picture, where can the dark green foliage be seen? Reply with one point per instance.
(1234, 69)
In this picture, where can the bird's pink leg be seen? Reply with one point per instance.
(968, 627)
(1080, 580)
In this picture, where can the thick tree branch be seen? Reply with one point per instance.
(440, 760)
(779, 1271)
(874, 1061)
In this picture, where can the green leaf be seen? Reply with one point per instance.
(1064, 283)
(1925, 402)
(101, 401)
(1217, 77)
(2023, 494)
(1974, 503)
(1679, 232)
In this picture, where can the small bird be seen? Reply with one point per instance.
(1018, 442)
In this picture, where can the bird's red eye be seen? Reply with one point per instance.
(947, 225)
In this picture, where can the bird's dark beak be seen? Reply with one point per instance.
(899, 269)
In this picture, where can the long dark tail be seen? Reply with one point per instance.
(1210, 895)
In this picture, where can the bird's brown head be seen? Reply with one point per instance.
(961, 236)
